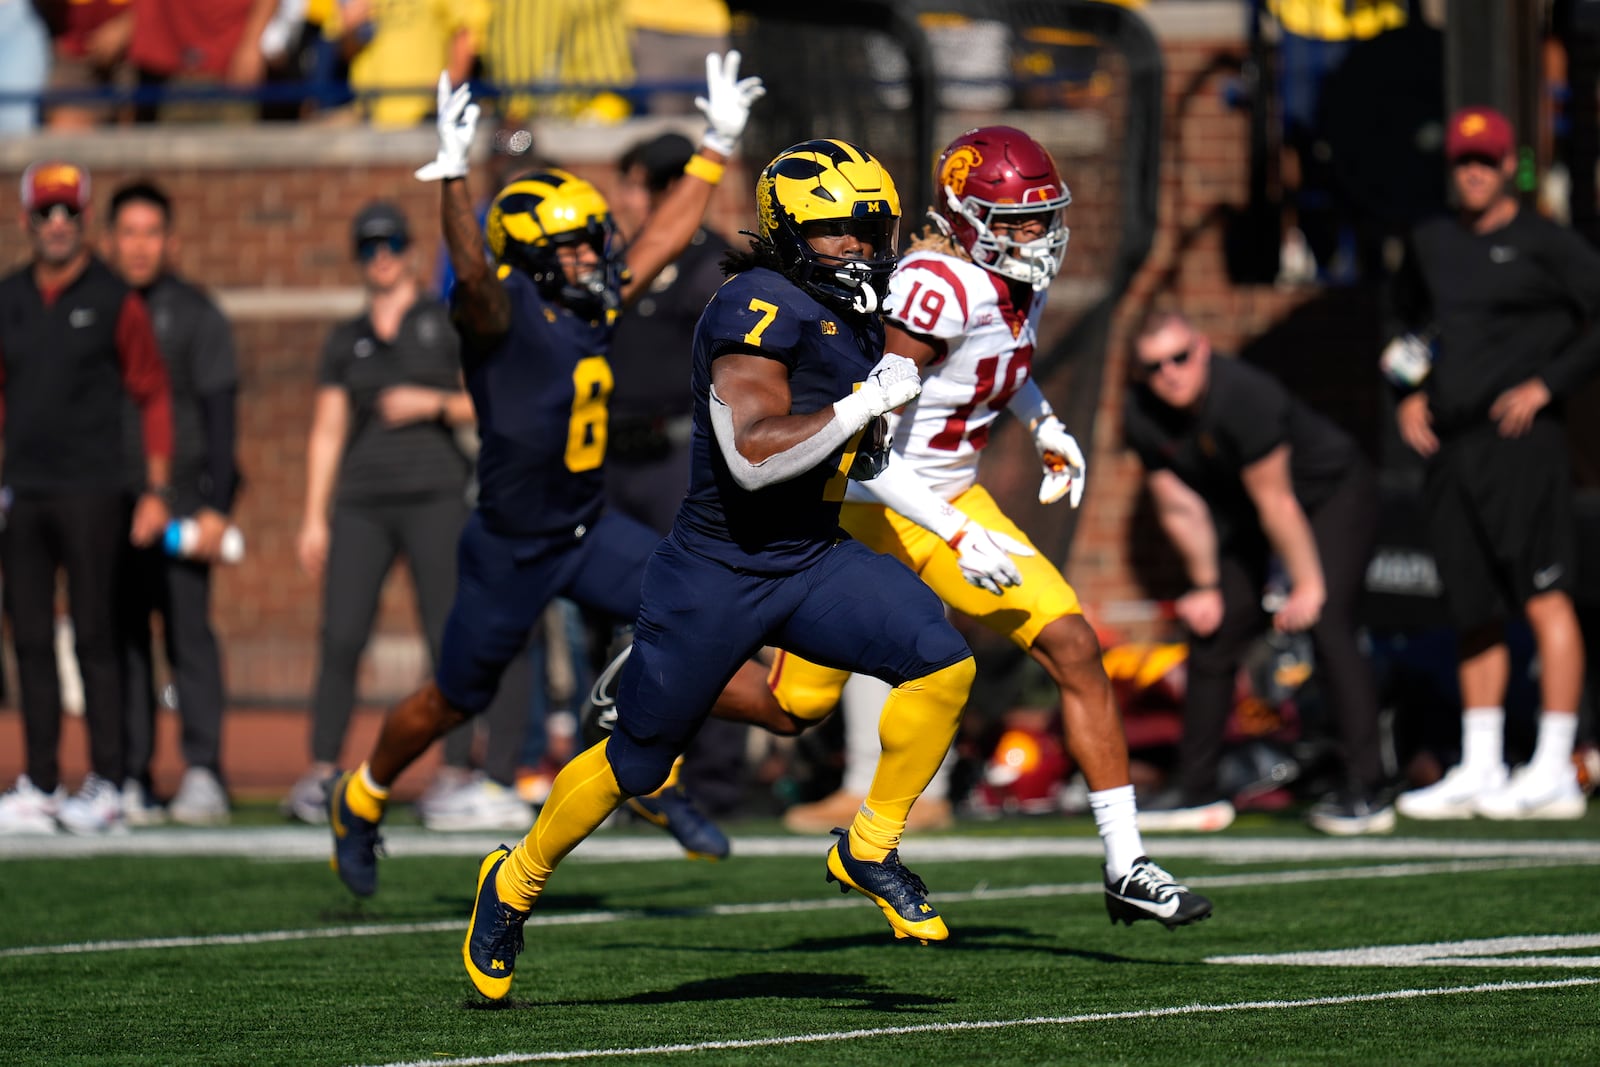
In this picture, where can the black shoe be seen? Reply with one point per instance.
(1347, 814)
(902, 896)
(1148, 892)
(675, 811)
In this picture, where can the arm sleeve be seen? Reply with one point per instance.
(901, 488)
(1577, 267)
(144, 375)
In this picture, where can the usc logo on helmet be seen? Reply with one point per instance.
(957, 166)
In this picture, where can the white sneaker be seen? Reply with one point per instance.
(308, 798)
(27, 809)
(1454, 796)
(201, 800)
(1534, 793)
(96, 808)
(140, 808)
(481, 804)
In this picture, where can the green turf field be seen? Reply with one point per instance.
(1461, 944)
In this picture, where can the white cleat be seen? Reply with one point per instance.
(1535, 794)
(1455, 796)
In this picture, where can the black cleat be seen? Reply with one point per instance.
(674, 811)
(1148, 892)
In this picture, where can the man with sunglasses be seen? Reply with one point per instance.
(1513, 299)
(1240, 471)
(75, 342)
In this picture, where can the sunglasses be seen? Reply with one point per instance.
(367, 250)
(1149, 368)
(42, 215)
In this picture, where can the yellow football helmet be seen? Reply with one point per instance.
(537, 213)
(826, 188)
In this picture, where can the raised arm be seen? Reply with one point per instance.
(482, 308)
(670, 227)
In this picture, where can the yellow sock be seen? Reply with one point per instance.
(672, 776)
(916, 728)
(365, 797)
(583, 794)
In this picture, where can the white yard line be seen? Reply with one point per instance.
(830, 902)
(829, 1037)
(310, 842)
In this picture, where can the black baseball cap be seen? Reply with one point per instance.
(379, 221)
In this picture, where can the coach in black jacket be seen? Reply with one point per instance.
(74, 341)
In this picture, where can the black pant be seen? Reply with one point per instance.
(1345, 527)
(179, 591)
(364, 542)
(82, 533)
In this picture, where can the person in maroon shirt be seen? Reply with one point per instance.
(75, 343)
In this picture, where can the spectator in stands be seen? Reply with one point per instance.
(196, 342)
(384, 475)
(670, 42)
(216, 41)
(1240, 470)
(1514, 299)
(24, 64)
(394, 45)
(74, 341)
(89, 46)
(577, 43)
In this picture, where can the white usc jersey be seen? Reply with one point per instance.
(990, 357)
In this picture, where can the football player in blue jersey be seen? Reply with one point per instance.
(535, 325)
(789, 374)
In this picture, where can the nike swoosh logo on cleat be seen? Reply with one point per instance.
(1164, 911)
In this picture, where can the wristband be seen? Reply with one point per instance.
(707, 170)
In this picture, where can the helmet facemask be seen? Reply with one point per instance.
(1033, 262)
(861, 284)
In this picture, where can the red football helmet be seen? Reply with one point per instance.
(999, 174)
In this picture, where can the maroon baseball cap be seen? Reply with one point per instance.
(1478, 131)
(47, 184)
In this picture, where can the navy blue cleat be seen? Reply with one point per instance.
(494, 937)
(355, 841)
(901, 895)
(1148, 892)
(671, 809)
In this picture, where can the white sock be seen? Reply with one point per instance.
(1117, 818)
(1483, 738)
(1558, 731)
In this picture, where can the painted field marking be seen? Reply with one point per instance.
(983, 893)
(992, 1024)
(1481, 952)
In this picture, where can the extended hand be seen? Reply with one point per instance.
(1300, 611)
(984, 557)
(1064, 468)
(727, 102)
(457, 123)
(1201, 611)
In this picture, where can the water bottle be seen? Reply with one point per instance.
(184, 534)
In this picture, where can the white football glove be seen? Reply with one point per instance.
(893, 382)
(984, 557)
(1064, 467)
(458, 122)
(727, 102)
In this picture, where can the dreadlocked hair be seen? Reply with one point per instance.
(935, 237)
(760, 254)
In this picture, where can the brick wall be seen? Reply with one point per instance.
(262, 218)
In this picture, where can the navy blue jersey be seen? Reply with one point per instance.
(784, 527)
(540, 394)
